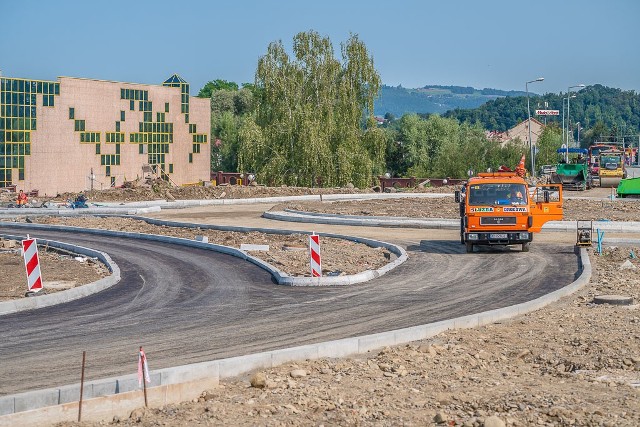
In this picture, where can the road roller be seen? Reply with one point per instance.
(611, 170)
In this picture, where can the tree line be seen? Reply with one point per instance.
(307, 120)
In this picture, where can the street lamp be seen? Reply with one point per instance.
(526, 87)
(563, 102)
(568, 116)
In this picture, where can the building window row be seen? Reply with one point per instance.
(145, 106)
(110, 159)
(134, 94)
(114, 137)
(155, 127)
(200, 138)
(13, 98)
(29, 86)
(89, 137)
(15, 136)
(48, 101)
(17, 124)
(17, 111)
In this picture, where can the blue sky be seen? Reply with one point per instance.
(498, 44)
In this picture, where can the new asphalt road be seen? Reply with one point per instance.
(187, 305)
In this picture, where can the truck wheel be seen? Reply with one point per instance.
(469, 247)
(525, 247)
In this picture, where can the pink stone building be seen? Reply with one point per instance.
(75, 134)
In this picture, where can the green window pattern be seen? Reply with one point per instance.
(18, 118)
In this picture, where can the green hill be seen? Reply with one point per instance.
(613, 112)
(434, 99)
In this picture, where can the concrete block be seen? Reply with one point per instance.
(252, 247)
(470, 321)
(278, 357)
(6, 405)
(194, 372)
(374, 342)
(235, 366)
(71, 393)
(338, 348)
(36, 399)
(410, 334)
(203, 239)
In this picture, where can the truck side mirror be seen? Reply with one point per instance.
(546, 196)
(457, 196)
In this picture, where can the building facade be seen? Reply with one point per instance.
(77, 134)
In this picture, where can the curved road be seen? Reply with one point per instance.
(187, 305)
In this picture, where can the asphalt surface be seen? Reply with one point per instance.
(187, 305)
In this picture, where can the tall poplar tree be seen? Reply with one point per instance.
(314, 113)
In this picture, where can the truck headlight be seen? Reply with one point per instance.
(524, 236)
(472, 236)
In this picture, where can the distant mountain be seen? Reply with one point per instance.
(434, 99)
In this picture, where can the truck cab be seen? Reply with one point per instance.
(499, 208)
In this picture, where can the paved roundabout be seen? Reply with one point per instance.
(187, 305)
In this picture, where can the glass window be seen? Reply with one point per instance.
(117, 126)
(108, 170)
(190, 158)
(132, 105)
(97, 148)
(170, 167)
(117, 148)
(122, 116)
(72, 113)
(113, 181)
(166, 107)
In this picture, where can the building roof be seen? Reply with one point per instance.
(175, 79)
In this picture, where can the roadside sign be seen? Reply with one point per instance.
(547, 112)
(32, 264)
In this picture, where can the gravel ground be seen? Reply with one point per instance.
(59, 271)
(574, 209)
(572, 363)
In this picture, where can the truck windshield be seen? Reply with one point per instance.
(497, 194)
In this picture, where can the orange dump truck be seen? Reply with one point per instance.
(499, 208)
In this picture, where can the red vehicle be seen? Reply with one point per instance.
(594, 156)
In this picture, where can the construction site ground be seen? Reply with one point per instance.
(572, 363)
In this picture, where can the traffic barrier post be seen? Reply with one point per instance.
(314, 255)
(32, 264)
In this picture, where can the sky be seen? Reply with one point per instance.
(498, 44)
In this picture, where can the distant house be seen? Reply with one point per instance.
(380, 120)
(521, 131)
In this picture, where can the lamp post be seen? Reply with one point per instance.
(568, 116)
(563, 102)
(526, 88)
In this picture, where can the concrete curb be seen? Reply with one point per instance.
(442, 223)
(11, 213)
(281, 277)
(180, 204)
(13, 306)
(117, 396)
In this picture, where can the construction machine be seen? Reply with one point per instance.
(611, 168)
(499, 208)
(573, 170)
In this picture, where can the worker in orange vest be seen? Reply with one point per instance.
(22, 199)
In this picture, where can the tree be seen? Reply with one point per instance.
(314, 114)
(215, 85)
(548, 143)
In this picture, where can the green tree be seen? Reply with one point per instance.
(215, 85)
(313, 113)
(548, 143)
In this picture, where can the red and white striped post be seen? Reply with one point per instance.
(32, 264)
(314, 252)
